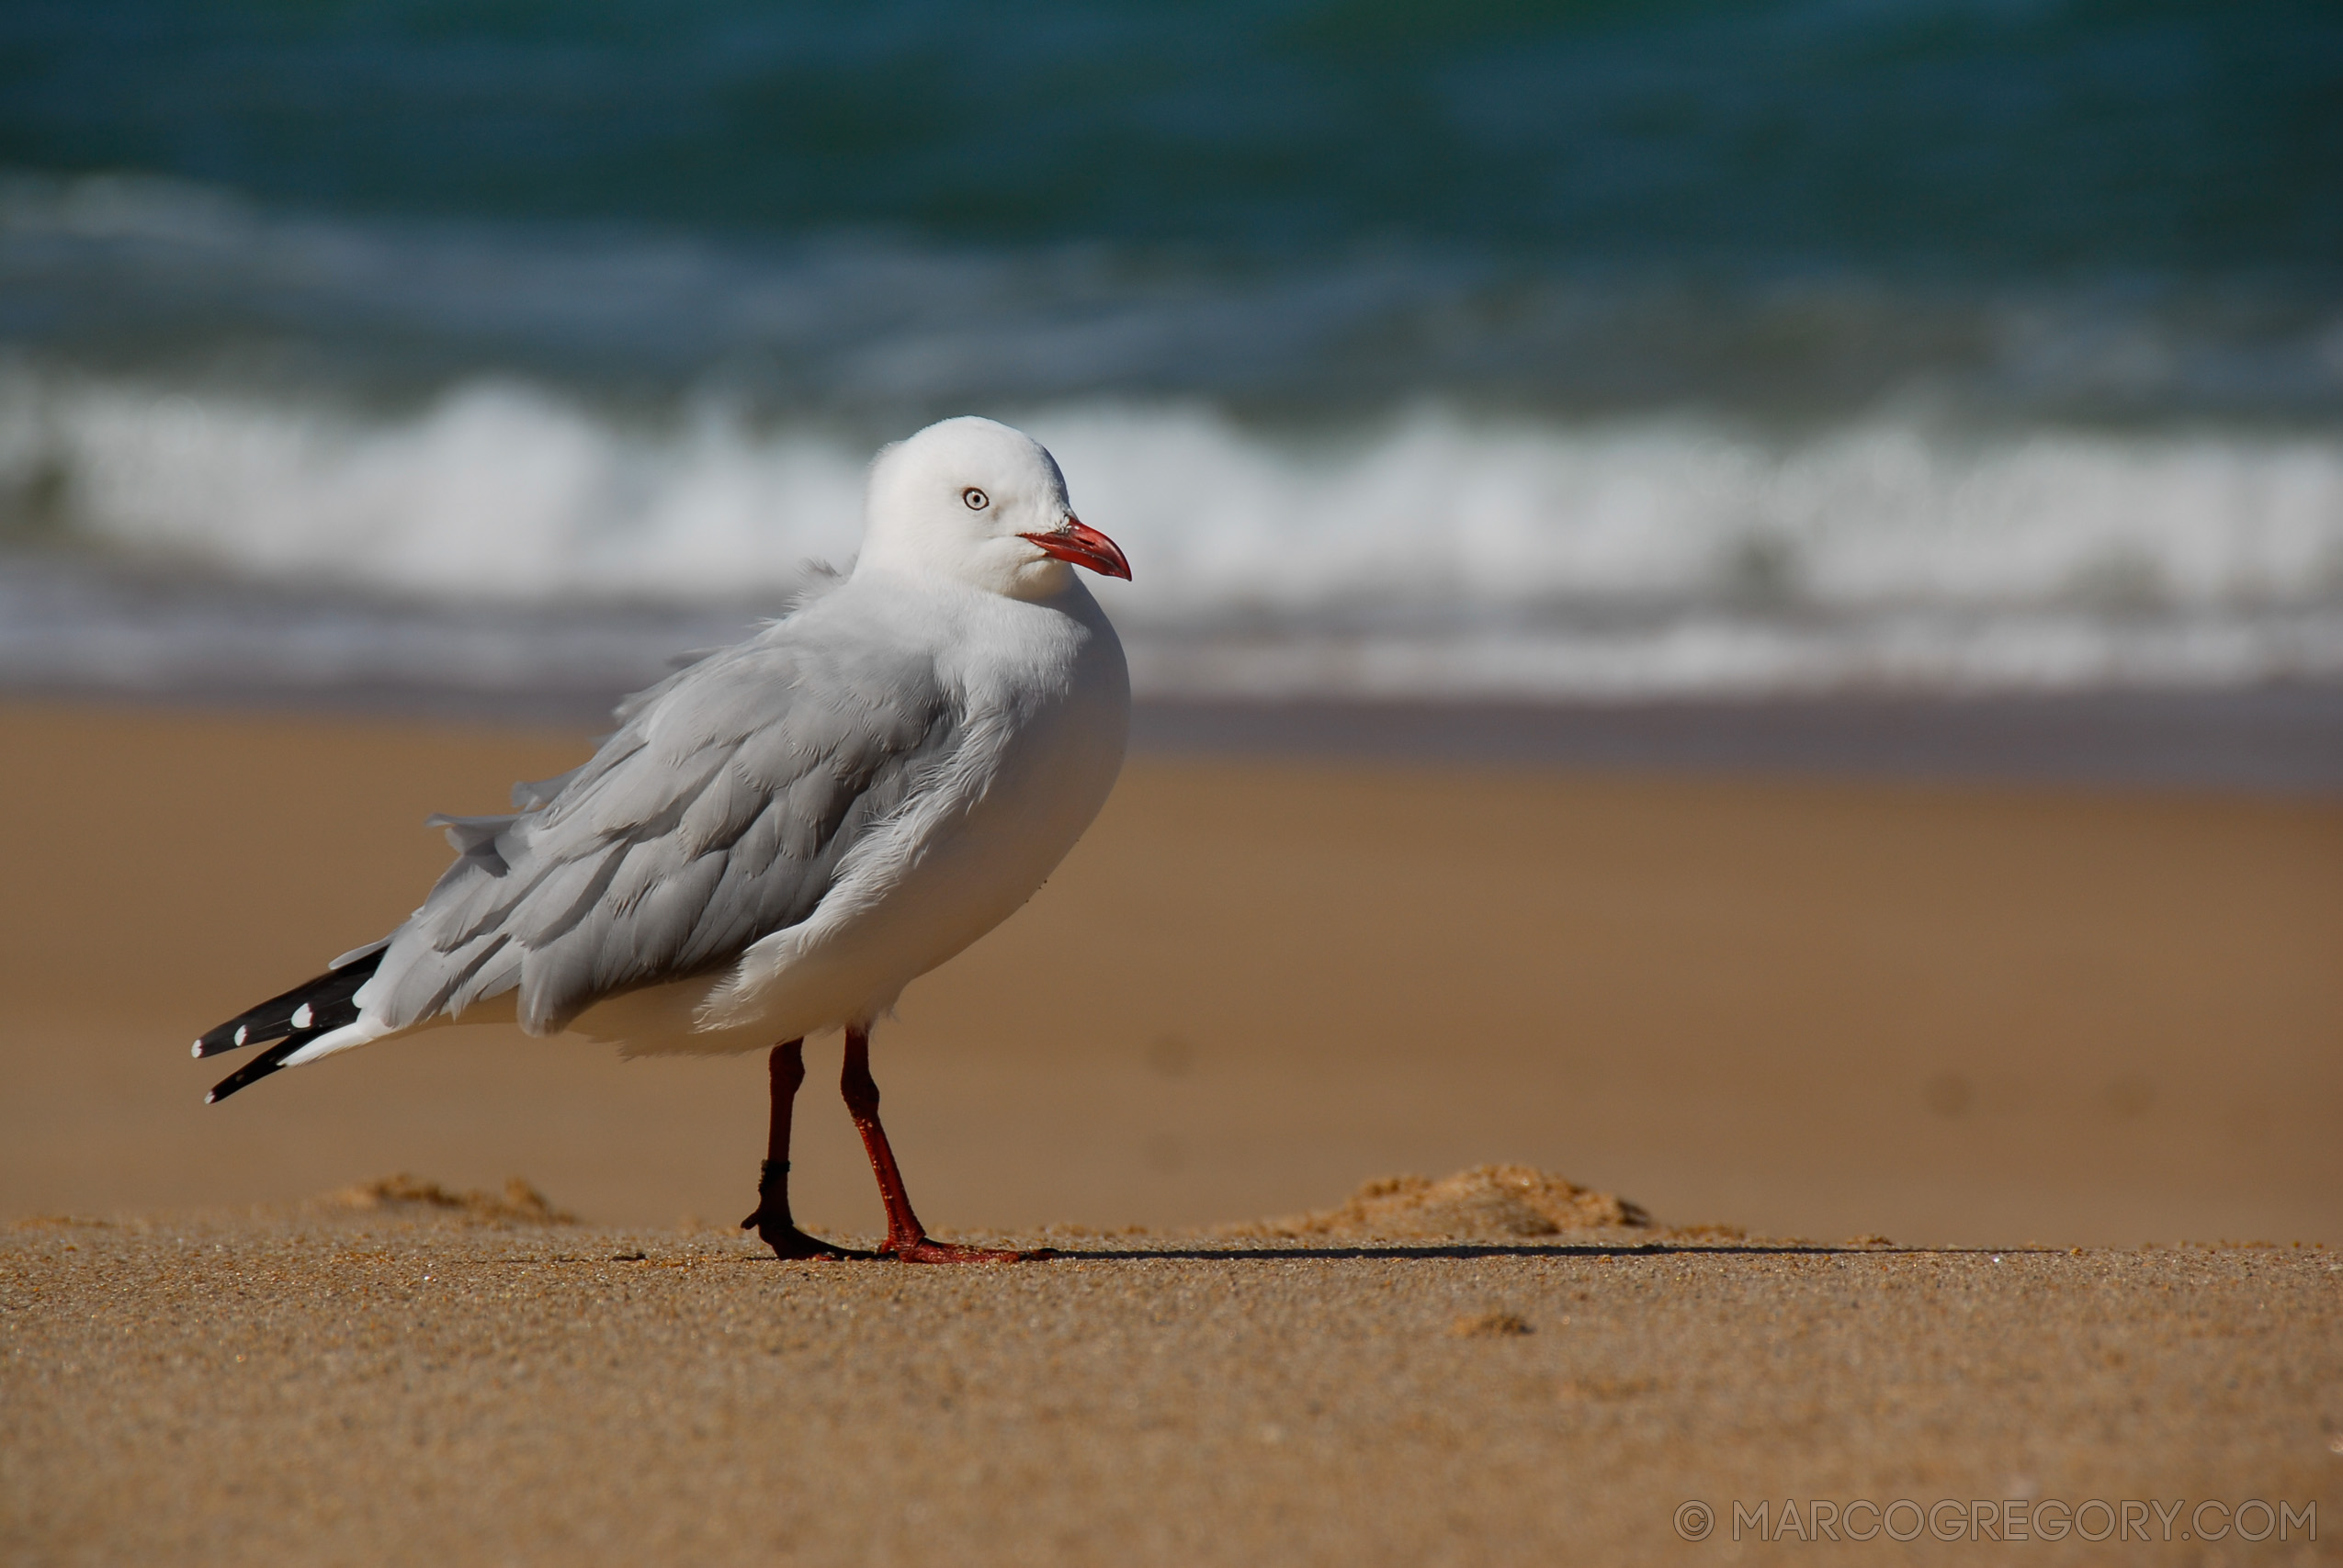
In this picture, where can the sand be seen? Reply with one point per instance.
(367, 1389)
(1489, 1203)
(1680, 1023)
(1946, 1015)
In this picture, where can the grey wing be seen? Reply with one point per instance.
(716, 815)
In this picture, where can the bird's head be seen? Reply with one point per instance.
(984, 505)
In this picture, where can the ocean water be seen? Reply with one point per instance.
(1607, 350)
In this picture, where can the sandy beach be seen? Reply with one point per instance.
(376, 1389)
(1968, 1015)
(1995, 1024)
(1722, 938)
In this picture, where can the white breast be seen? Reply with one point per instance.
(1048, 701)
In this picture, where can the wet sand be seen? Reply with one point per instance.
(2274, 739)
(1970, 1019)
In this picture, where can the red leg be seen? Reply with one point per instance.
(772, 1222)
(906, 1237)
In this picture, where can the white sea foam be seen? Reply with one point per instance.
(496, 492)
(1424, 551)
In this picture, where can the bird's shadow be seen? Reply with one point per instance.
(1468, 1250)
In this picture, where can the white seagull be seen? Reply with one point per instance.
(782, 836)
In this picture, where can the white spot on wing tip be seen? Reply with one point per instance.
(211, 1097)
(302, 1017)
(242, 1034)
(196, 1050)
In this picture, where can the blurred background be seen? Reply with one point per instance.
(1947, 389)
(1537, 351)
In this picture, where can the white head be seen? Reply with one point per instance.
(980, 504)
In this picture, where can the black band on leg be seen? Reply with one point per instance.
(771, 1178)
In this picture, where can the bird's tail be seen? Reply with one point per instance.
(292, 1020)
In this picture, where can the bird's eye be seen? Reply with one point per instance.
(978, 501)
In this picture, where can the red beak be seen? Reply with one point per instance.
(1084, 546)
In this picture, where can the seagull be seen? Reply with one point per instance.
(781, 836)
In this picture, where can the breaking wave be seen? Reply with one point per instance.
(1426, 550)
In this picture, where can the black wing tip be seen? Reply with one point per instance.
(323, 1001)
(259, 1067)
(246, 1029)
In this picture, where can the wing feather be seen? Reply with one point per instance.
(716, 815)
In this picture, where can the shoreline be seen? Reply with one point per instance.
(2283, 740)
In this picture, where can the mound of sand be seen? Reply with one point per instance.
(412, 1197)
(1489, 1203)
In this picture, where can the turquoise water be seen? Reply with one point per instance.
(1605, 346)
(2012, 138)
